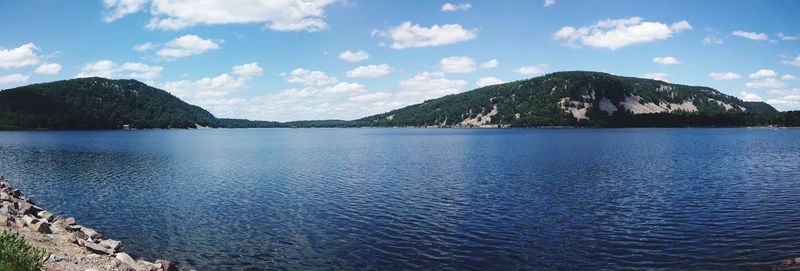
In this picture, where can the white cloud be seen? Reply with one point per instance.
(428, 85)
(789, 77)
(532, 70)
(144, 47)
(48, 68)
(109, 69)
(102, 68)
(309, 77)
(763, 73)
(22, 56)
(656, 76)
(407, 35)
(788, 99)
(795, 62)
(617, 33)
(766, 83)
(354, 56)
(116, 9)
(140, 71)
(248, 70)
(491, 64)
(665, 60)
(750, 35)
(488, 81)
(455, 7)
(13, 78)
(370, 71)
(787, 37)
(285, 15)
(208, 87)
(549, 3)
(750, 97)
(457, 64)
(371, 97)
(711, 39)
(724, 76)
(186, 45)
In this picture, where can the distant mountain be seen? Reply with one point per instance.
(579, 99)
(97, 103)
(585, 99)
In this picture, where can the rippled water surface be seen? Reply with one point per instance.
(431, 199)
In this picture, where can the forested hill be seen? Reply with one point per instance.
(580, 99)
(586, 99)
(96, 103)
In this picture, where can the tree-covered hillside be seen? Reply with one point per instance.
(574, 99)
(96, 103)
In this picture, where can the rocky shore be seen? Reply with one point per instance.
(69, 246)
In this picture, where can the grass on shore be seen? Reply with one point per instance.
(17, 255)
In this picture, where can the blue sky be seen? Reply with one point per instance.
(287, 59)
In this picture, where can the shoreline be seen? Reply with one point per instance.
(70, 246)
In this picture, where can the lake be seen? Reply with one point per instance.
(425, 199)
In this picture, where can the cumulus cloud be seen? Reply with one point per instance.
(711, 39)
(24, 55)
(309, 77)
(724, 76)
(787, 37)
(428, 85)
(407, 35)
(370, 71)
(794, 62)
(750, 35)
(789, 77)
(48, 68)
(456, 7)
(617, 33)
(491, 64)
(116, 9)
(109, 69)
(356, 56)
(656, 76)
(371, 97)
(750, 97)
(488, 81)
(532, 70)
(13, 78)
(457, 64)
(286, 15)
(766, 83)
(549, 3)
(248, 70)
(665, 60)
(763, 73)
(787, 99)
(147, 46)
(186, 45)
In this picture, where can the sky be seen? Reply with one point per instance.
(285, 60)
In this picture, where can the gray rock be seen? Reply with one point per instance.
(94, 235)
(42, 227)
(29, 220)
(45, 215)
(70, 221)
(125, 258)
(4, 196)
(27, 208)
(5, 220)
(148, 266)
(111, 244)
(94, 248)
(167, 265)
(58, 226)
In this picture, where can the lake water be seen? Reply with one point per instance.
(428, 199)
